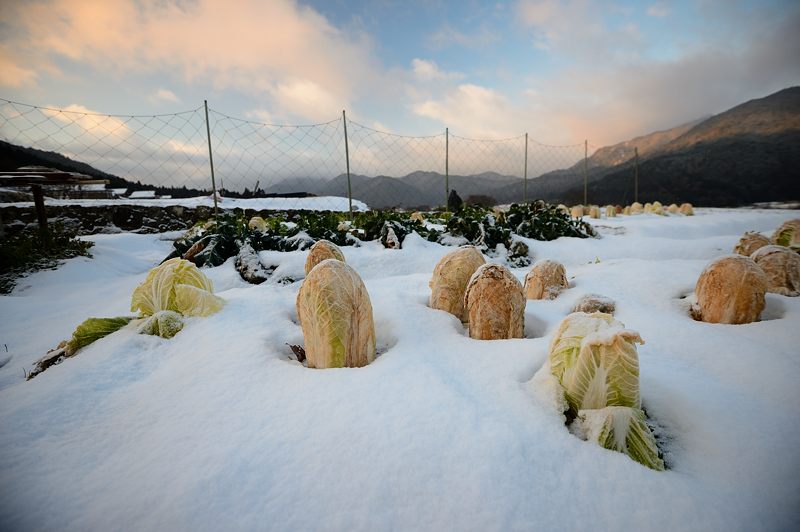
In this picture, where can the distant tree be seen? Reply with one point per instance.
(454, 201)
(481, 199)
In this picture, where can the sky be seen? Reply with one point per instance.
(563, 72)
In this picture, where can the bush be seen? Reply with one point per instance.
(32, 250)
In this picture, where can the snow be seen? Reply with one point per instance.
(218, 428)
(317, 203)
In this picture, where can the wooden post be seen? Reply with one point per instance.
(636, 174)
(211, 159)
(347, 162)
(446, 169)
(585, 173)
(525, 176)
(38, 201)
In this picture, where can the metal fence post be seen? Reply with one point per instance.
(525, 174)
(636, 174)
(585, 172)
(347, 162)
(446, 169)
(211, 159)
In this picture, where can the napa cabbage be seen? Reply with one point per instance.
(335, 313)
(176, 285)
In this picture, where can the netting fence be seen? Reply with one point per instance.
(335, 160)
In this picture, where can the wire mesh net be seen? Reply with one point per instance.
(396, 171)
(165, 150)
(253, 159)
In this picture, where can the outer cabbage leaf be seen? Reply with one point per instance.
(622, 429)
(566, 343)
(93, 329)
(193, 301)
(606, 371)
(159, 290)
(164, 323)
(336, 315)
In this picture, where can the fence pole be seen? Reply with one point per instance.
(347, 162)
(525, 175)
(211, 160)
(585, 172)
(446, 169)
(636, 174)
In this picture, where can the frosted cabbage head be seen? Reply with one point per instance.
(686, 209)
(257, 223)
(545, 280)
(730, 290)
(636, 208)
(176, 285)
(782, 268)
(321, 250)
(335, 313)
(495, 302)
(611, 211)
(788, 234)
(750, 242)
(450, 278)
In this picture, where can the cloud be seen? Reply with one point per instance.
(448, 36)
(429, 71)
(261, 49)
(92, 122)
(14, 75)
(164, 95)
(658, 10)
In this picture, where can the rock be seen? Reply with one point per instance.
(249, 265)
(595, 303)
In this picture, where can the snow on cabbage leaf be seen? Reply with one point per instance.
(336, 316)
(450, 278)
(566, 342)
(93, 329)
(321, 250)
(605, 372)
(164, 323)
(176, 285)
(622, 429)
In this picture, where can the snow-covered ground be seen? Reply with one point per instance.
(217, 429)
(320, 203)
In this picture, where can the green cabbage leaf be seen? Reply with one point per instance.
(93, 329)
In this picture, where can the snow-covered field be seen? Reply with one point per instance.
(218, 429)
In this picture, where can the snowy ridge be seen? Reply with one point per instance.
(218, 428)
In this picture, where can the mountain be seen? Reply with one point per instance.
(749, 153)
